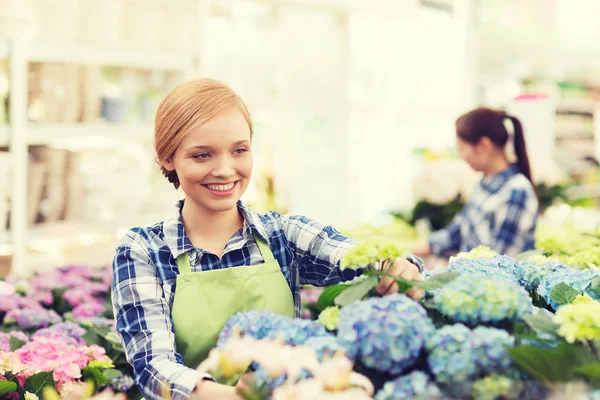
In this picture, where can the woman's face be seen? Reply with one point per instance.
(473, 154)
(214, 161)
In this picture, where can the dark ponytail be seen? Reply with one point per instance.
(521, 149)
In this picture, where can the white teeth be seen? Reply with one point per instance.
(221, 188)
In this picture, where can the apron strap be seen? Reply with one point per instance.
(183, 262)
(264, 248)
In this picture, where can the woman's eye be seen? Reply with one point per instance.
(202, 156)
(240, 151)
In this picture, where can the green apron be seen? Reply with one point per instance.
(205, 300)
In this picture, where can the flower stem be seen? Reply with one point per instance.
(593, 348)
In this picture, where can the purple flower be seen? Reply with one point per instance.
(5, 339)
(121, 384)
(93, 309)
(32, 318)
(68, 332)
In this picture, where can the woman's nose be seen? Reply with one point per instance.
(224, 167)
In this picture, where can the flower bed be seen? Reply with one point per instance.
(488, 327)
(57, 333)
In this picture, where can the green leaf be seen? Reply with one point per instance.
(329, 294)
(356, 292)
(596, 284)
(590, 371)
(541, 323)
(36, 383)
(436, 281)
(563, 294)
(95, 375)
(7, 387)
(92, 336)
(404, 285)
(15, 343)
(549, 365)
(112, 373)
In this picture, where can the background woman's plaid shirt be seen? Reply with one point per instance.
(501, 214)
(145, 271)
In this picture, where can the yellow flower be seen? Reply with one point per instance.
(583, 299)
(579, 321)
(477, 252)
(330, 318)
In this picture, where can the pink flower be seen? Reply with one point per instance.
(6, 289)
(97, 353)
(67, 373)
(77, 296)
(88, 310)
(50, 354)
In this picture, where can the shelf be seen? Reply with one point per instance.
(120, 58)
(581, 113)
(76, 133)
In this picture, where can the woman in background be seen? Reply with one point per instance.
(502, 211)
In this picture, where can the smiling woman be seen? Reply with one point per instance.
(177, 282)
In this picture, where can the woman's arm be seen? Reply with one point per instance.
(318, 250)
(143, 320)
(445, 240)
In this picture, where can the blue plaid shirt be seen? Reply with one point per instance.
(145, 271)
(501, 214)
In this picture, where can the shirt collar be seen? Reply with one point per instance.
(493, 183)
(179, 243)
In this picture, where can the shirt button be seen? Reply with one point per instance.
(187, 278)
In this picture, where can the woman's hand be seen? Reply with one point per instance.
(404, 269)
(244, 385)
(208, 390)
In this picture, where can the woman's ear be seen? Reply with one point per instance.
(168, 165)
(485, 144)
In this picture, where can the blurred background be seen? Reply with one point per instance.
(354, 103)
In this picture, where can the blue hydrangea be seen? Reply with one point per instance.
(324, 346)
(264, 384)
(477, 298)
(534, 273)
(580, 280)
(415, 386)
(384, 333)
(500, 267)
(266, 324)
(458, 355)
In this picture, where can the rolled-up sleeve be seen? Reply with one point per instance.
(143, 321)
(318, 250)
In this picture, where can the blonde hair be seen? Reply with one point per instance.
(185, 108)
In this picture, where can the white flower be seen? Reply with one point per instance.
(31, 396)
